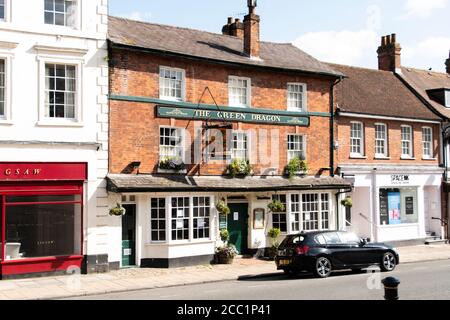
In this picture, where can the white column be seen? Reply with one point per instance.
(421, 211)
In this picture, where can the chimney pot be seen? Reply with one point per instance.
(393, 38)
(252, 31)
(389, 53)
(237, 20)
(230, 20)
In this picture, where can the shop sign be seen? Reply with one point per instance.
(400, 179)
(244, 116)
(42, 171)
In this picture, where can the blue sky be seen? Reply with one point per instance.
(344, 31)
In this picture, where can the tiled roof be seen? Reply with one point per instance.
(207, 45)
(422, 80)
(375, 92)
(154, 183)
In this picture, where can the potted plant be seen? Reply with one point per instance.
(273, 234)
(222, 208)
(296, 166)
(226, 253)
(276, 206)
(347, 202)
(117, 211)
(172, 163)
(239, 167)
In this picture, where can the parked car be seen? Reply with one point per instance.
(322, 252)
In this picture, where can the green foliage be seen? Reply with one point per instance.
(347, 202)
(273, 234)
(222, 208)
(276, 206)
(172, 163)
(224, 235)
(239, 167)
(296, 165)
(117, 211)
(228, 251)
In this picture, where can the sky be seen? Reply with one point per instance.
(345, 31)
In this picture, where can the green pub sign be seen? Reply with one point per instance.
(222, 115)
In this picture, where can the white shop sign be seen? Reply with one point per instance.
(400, 179)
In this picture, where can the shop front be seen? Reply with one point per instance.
(41, 217)
(177, 223)
(395, 204)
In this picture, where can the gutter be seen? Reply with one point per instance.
(332, 113)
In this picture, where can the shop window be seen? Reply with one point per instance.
(297, 97)
(239, 146)
(42, 226)
(158, 219)
(325, 210)
(279, 218)
(295, 212)
(296, 146)
(311, 211)
(171, 84)
(60, 91)
(398, 206)
(180, 218)
(60, 12)
(202, 207)
(239, 92)
(427, 142)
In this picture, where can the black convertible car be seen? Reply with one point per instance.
(322, 252)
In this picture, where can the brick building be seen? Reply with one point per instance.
(389, 147)
(184, 106)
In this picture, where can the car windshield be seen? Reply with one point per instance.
(293, 240)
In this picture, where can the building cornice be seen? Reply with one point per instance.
(380, 117)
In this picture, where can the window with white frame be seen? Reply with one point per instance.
(407, 141)
(239, 92)
(296, 146)
(202, 209)
(297, 96)
(2, 88)
(171, 84)
(279, 219)
(170, 143)
(427, 142)
(310, 211)
(158, 219)
(60, 91)
(2, 10)
(60, 12)
(356, 139)
(447, 98)
(381, 140)
(180, 218)
(239, 146)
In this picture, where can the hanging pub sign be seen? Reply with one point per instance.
(241, 116)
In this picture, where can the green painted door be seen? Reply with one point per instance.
(129, 236)
(238, 226)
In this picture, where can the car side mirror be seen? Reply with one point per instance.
(363, 241)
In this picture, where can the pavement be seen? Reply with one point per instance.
(134, 279)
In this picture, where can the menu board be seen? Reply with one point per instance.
(409, 205)
(384, 209)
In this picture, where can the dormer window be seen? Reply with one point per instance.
(447, 98)
(441, 95)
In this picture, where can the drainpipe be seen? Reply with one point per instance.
(338, 205)
(332, 120)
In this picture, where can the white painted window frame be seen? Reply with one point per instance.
(231, 145)
(386, 140)
(7, 12)
(6, 118)
(362, 140)
(304, 107)
(248, 92)
(290, 213)
(76, 26)
(447, 98)
(303, 136)
(79, 69)
(410, 155)
(430, 142)
(183, 84)
(182, 135)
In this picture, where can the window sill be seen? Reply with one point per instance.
(407, 158)
(172, 171)
(171, 99)
(50, 123)
(429, 159)
(358, 157)
(179, 243)
(382, 158)
(6, 122)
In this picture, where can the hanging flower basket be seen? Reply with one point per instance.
(117, 211)
(276, 206)
(223, 208)
(347, 202)
(239, 168)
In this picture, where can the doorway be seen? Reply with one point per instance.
(129, 236)
(238, 226)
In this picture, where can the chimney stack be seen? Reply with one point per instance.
(447, 63)
(235, 29)
(251, 31)
(389, 54)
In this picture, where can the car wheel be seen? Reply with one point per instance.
(388, 262)
(322, 267)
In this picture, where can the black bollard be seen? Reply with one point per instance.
(390, 288)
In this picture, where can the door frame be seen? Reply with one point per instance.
(130, 203)
(247, 224)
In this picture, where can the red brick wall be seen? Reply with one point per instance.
(394, 138)
(134, 129)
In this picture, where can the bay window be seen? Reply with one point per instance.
(202, 207)
(310, 212)
(180, 218)
(279, 219)
(158, 219)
